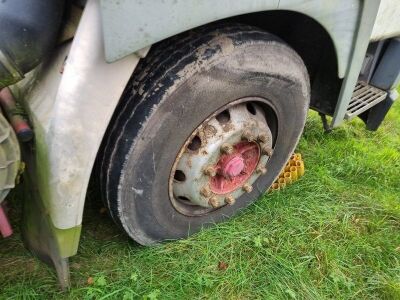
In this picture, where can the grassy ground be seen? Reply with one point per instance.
(335, 234)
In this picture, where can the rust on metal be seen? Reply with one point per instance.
(230, 200)
(247, 188)
(262, 170)
(221, 159)
(210, 171)
(213, 201)
(227, 148)
(14, 113)
(205, 191)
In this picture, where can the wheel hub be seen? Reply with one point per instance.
(222, 159)
(234, 169)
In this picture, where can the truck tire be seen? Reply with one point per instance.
(205, 125)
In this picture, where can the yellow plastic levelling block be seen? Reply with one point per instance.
(293, 170)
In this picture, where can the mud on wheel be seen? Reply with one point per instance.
(222, 159)
(204, 127)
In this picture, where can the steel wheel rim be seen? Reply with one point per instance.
(199, 197)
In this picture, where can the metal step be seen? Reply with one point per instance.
(364, 97)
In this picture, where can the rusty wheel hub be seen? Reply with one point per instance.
(222, 159)
(233, 170)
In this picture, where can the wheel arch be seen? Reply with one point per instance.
(303, 33)
(152, 21)
(131, 25)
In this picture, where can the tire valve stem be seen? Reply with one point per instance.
(229, 200)
(213, 201)
(247, 188)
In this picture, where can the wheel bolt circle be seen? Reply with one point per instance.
(213, 201)
(210, 171)
(215, 176)
(247, 188)
(229, 200)
(227, 148)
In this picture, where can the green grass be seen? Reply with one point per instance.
(335, 234)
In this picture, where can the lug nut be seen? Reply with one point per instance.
(227, 148)
(213, 201)
(267, 150)
(263, 138)
(248, 136)
(210, 171)
(205, 191)
(229, 200)
(247, 188)
(262, 170)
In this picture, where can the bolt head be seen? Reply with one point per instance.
(229, 200)
(247, 188)
(210, 171)
(227, 148)
(267, 150)
(205, 192)
(213, 201)
(248, 136)
(263, 138)
(262, 170)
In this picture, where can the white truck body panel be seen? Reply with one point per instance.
(387, 22)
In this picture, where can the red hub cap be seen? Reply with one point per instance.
(232, 166)
(234, 169)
